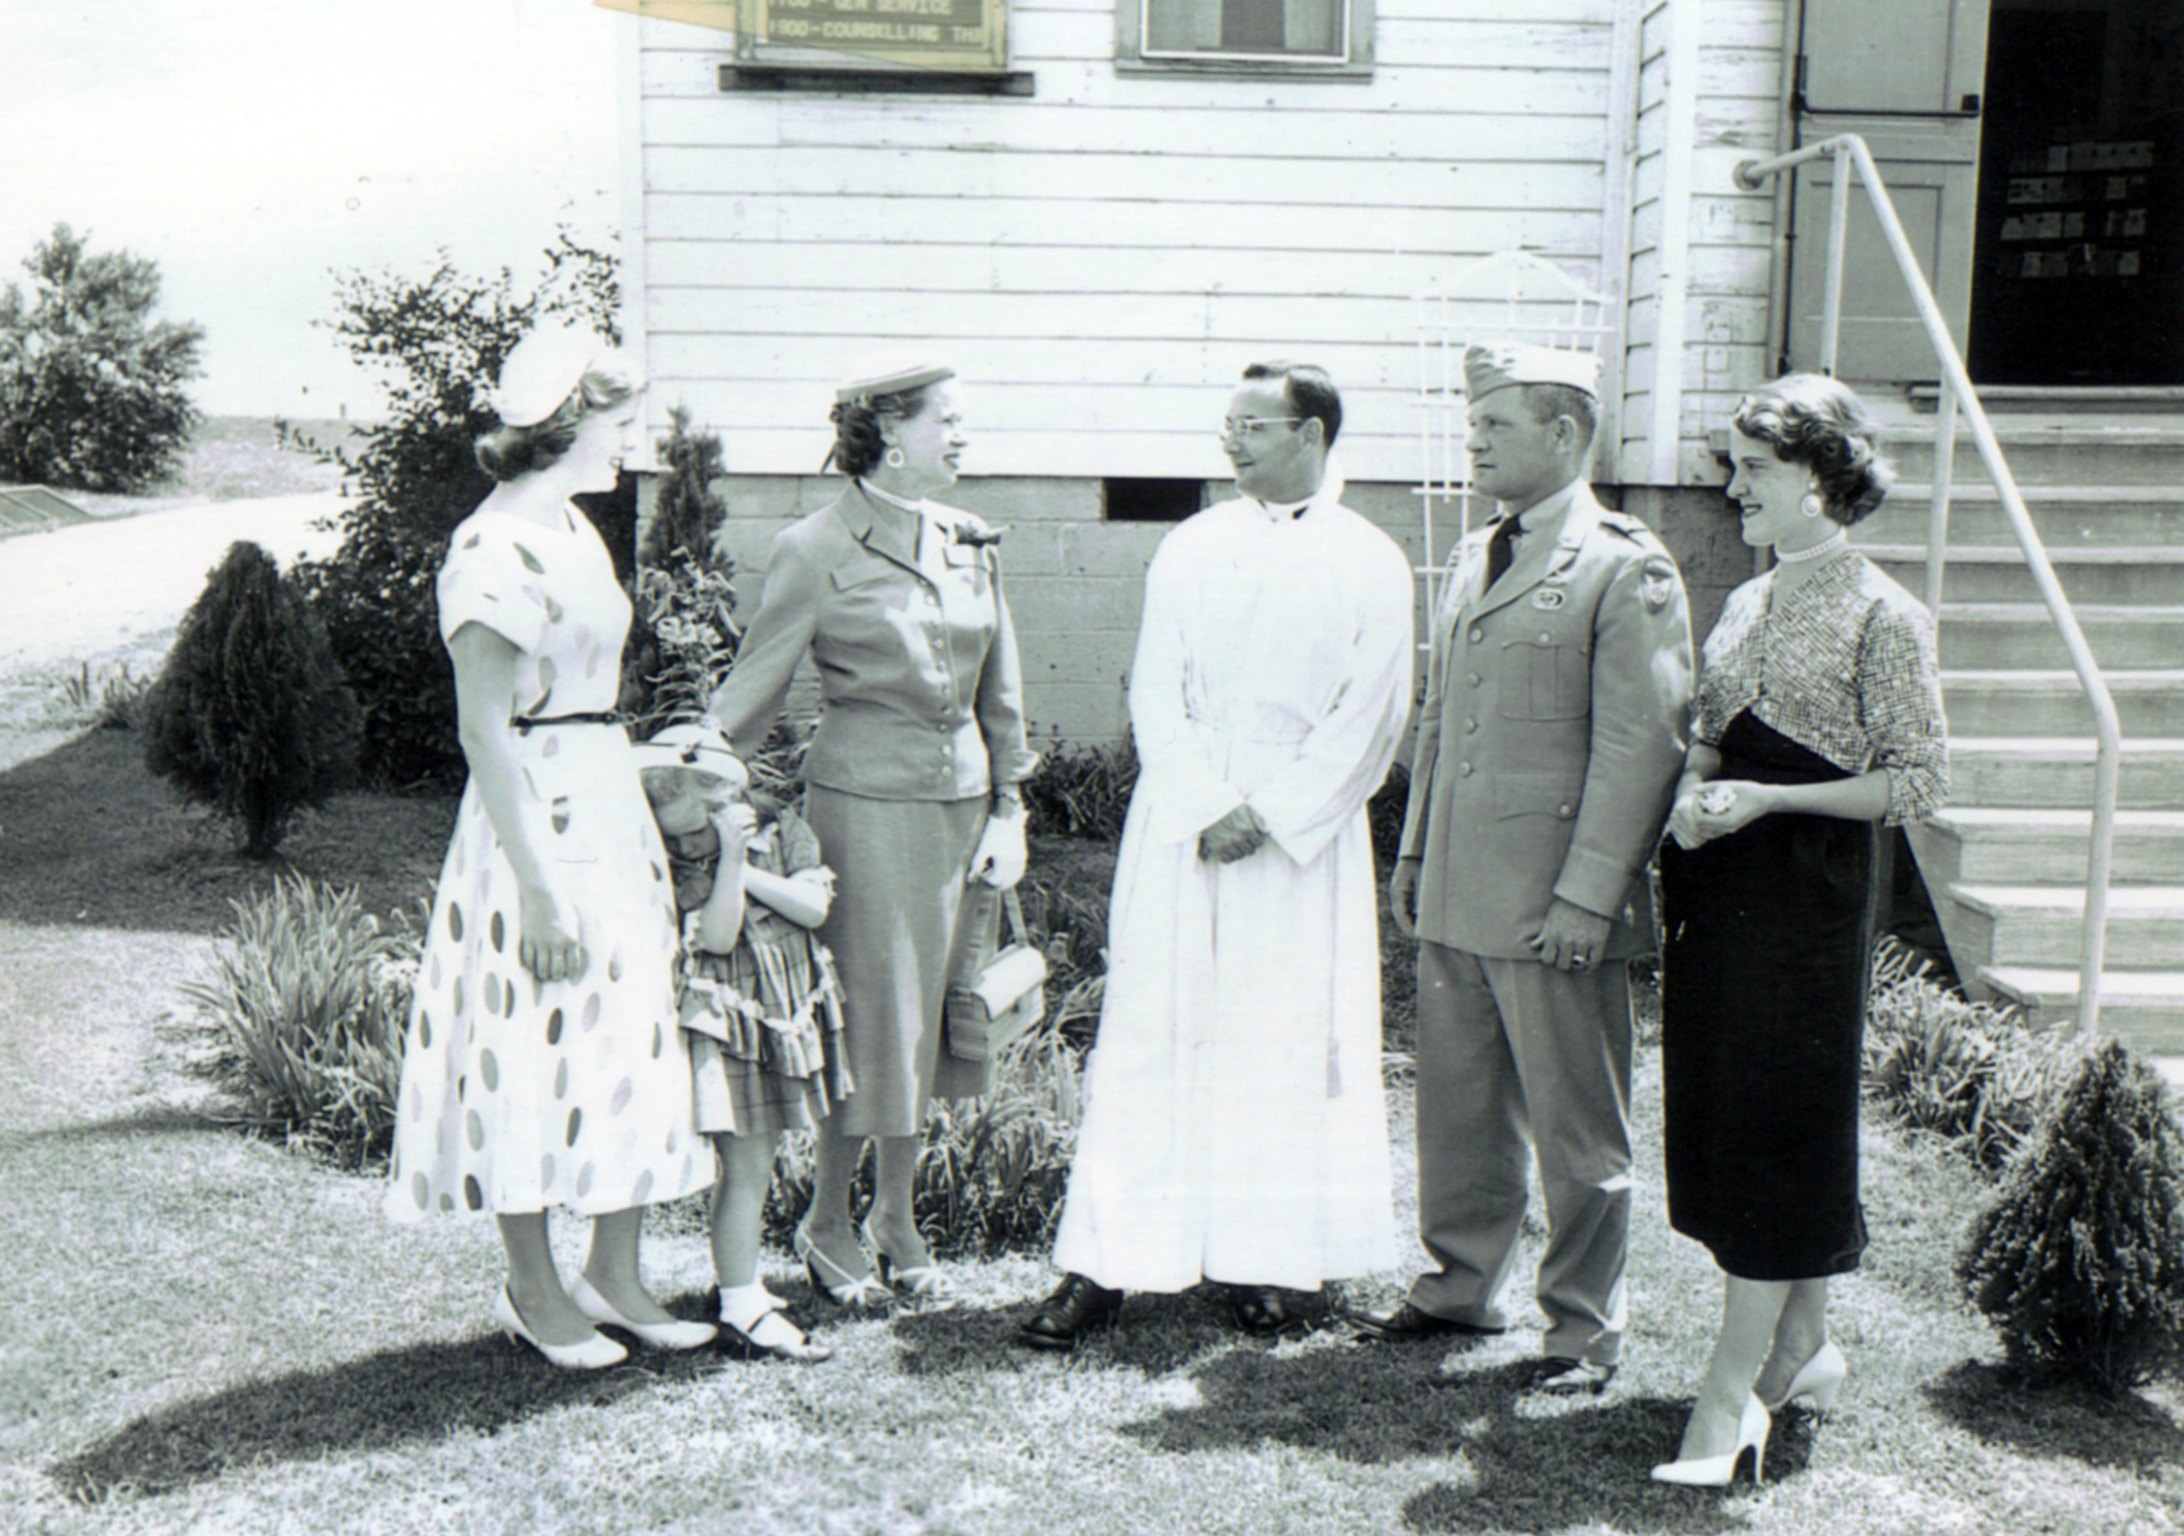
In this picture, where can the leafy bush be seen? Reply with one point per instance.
(251, 716)
(992, 1170)
(436, 342)
(1082, 791)
(2079, 1261)
(90, 385)
(1969, 1072)
(306, 1003)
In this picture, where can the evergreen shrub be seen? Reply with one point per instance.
(306, 1004)
(2079, 1260)
(683, 634)
(251, 715)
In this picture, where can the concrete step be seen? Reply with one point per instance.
(2043, 925)
(2145, 575)
(1981, 845)
(2038, 772)
(2024, 635)
(2066, 451)
(2065, 516)
(2144, 1008)
(2044, 702)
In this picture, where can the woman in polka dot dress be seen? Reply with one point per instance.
(543, 1064)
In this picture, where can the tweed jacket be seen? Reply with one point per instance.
(922, 690)
(1552, 731)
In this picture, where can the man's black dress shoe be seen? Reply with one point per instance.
(1076, 1305)
(1565, 1377)
(1404, 1321)
(1260, 1308)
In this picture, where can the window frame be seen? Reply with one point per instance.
(1133, 23)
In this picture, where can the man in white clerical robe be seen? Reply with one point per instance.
(1234, 1128)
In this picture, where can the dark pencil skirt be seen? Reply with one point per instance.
(1768, 939)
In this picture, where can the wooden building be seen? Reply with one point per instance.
(1104, 236)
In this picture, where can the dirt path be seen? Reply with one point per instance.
(84, 592)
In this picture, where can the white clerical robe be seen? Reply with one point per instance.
(1234, 1125)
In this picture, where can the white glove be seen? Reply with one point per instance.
(1000, 857)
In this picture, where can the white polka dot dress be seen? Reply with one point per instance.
(519, 1094)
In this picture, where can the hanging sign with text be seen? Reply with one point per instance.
(956, 35)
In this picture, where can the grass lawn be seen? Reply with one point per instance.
(206, 1333)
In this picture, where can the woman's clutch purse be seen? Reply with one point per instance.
(1001, 996)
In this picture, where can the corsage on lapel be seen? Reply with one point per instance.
(977, 535)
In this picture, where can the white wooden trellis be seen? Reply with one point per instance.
(1508, 296)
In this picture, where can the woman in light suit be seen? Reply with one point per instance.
(913, 779)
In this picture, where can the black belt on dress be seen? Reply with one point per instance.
(527, 723)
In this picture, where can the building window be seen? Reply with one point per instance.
(1139, 500)
(1291, 37)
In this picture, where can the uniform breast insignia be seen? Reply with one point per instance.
(1547, 599)
(1657, 583)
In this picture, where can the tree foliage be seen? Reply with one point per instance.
(436, 343)
(91, 391)
(2079, 1262)
(250, 715)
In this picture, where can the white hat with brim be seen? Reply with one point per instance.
(694, 747)
(544, 369)
(875, 377)
(1498, 365)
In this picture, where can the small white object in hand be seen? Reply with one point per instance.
(1716, 798)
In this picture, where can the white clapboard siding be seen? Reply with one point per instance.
(1108, 251)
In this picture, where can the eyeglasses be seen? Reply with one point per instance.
(1233, 427)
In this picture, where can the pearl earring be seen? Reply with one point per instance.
(1812, 505)
(895, 459)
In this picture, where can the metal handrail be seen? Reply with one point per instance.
(1847, 150)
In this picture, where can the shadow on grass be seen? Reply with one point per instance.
(2127, 1432)
(1156, 1334)
(88, 837)
(1529, 1462)
(424, 1393)
(151, 1120)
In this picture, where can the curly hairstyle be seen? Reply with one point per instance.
(506, 452)
(858, 445)
(1812, 420)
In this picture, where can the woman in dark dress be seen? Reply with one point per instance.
(1818, 719)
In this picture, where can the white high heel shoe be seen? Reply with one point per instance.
(1721, 1471)
(1819, 1379)
(668, 1335)
(592, 1354)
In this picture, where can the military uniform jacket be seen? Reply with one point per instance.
(1552, 730)
(903, 614)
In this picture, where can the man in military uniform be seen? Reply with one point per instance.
(1549, 743)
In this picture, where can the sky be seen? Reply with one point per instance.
(253, 147)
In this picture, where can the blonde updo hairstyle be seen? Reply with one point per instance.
(1814, 421)
(506, 452)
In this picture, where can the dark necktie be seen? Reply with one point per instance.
(1501, 549)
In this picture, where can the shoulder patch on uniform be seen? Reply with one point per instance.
(1657, 583)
